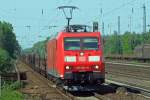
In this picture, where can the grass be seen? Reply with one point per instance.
(9, 92)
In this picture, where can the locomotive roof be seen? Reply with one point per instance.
(78, 28)
(75, 28)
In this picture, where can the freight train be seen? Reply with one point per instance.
(74, 56)
(141, 53)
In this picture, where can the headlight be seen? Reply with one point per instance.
(70, 58)
(94, 58)
(96, 67)
(68, 67)
(81, 53)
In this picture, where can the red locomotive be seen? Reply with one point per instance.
(76, 56)
(73, 56)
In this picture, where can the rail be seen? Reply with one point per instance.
(128, 58)
(143, 91)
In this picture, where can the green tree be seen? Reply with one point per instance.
(8, 39)
(9, 47)
(146, 37)
(5, 61)
(113, 44)
(127, 45)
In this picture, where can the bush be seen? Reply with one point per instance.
(5, 61)
(9, 93)
(16, 85)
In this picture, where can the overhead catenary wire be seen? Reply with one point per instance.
(134, 11)
(118, 8)
(104, 16)
(54, 19)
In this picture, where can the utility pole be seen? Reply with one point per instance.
(103, 28)
(118, 44)
(28, 32)
(102, 24)
(28, 26)
(144, 18)
(109, 28)
(101, 20)
(103, 38)
(148, 26)
(42, 11)
(132, 17)
(118, 24)
(130, 25)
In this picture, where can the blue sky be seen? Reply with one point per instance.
(22, 13)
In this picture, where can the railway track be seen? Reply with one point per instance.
(132, 88)
(61, 94)
(67, 95)
(147, 78)
(142, 89)
(129, 64)
(73, 95)
(129, 70)
(38, 81)
(134, 67)
(129, 75)
(128, 58)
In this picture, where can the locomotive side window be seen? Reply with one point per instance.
(81, 43)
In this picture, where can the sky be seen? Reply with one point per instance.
(31, 18)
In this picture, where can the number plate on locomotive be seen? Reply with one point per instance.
(82, 59)
(81, 68)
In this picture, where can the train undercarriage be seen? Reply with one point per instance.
(79, 81)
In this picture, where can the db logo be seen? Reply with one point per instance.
(82, 59)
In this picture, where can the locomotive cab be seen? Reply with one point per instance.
(83, 60)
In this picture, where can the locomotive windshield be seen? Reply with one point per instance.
(81, 43)
(72, 44)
